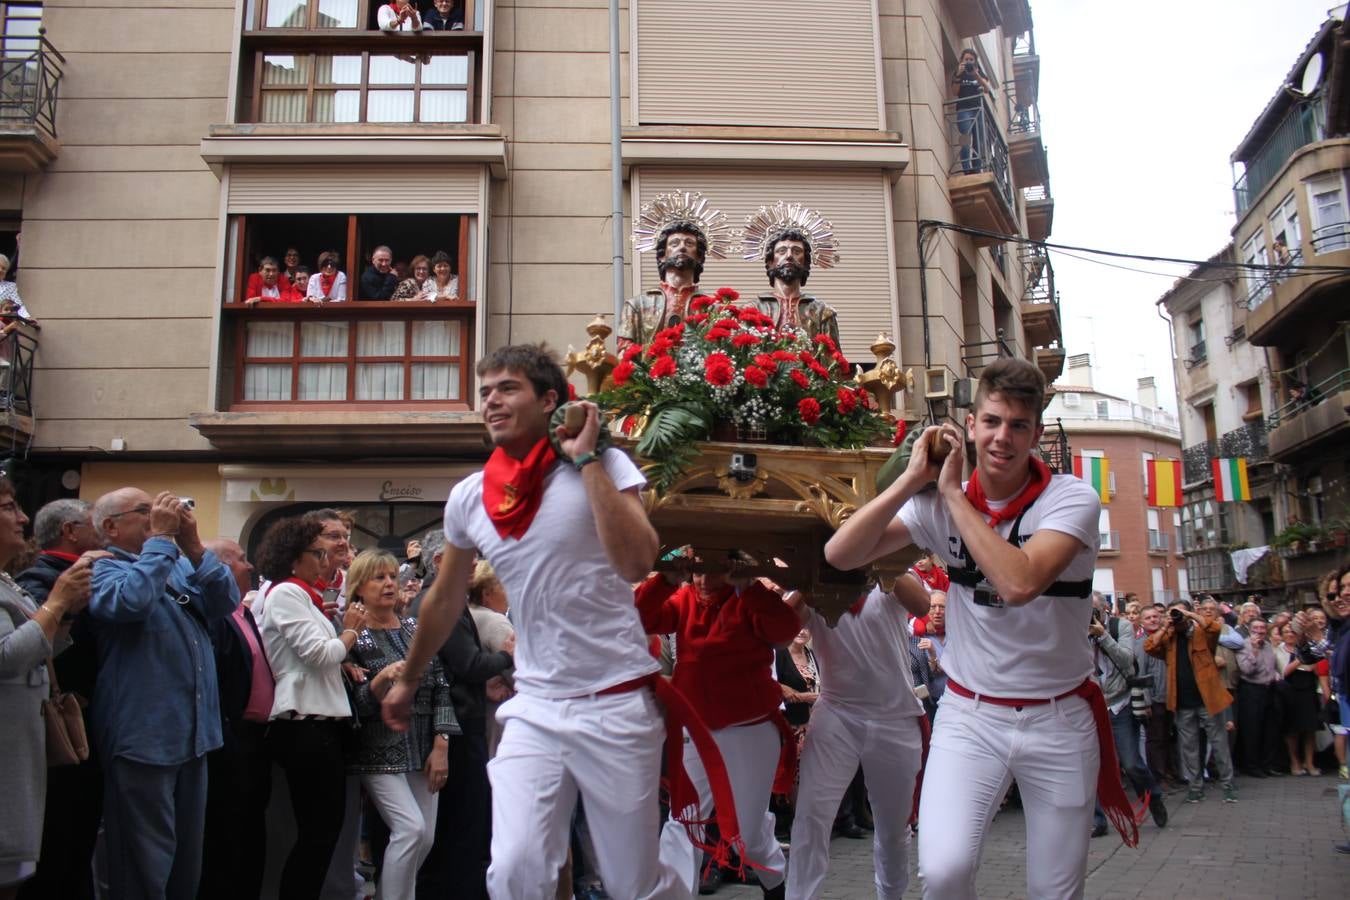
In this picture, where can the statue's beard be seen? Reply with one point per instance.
(789, 272)
(680, 262)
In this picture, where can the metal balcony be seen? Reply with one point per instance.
(1195, 463)
(1040, 207)
(17, 350)
(1158, 541)
(1315, 421)
(976, 356)
(1054, 449)
(1302, 124)
(1248, 442)
(979, 180)
(30, 79)
(1026, 151)
(1040, 304)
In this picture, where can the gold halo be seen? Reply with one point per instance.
(684, 206)
(764, 226)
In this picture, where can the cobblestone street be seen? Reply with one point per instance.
(1275, 843)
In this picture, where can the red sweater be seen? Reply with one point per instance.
(724, 651)
(289, 294)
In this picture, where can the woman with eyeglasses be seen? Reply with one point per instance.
(330, 282)
(402, 772)
(311, 716)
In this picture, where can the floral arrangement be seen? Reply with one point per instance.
(729, 364)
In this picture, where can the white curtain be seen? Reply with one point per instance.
(327, 381)
(435, 339)
(379, 381)
(379, 339)
(267, 382)
(389, 106)
(435, 381)
(444, 106)
(274, 339)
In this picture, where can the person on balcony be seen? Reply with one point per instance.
(330, 282)
(443, 283)
(399, 15)
(267, 286)
(444, 15)
(378, 281)
(292, 268)
(410, 288)
(10, 291)
(970, 85)
(787, 262)
(681, 250)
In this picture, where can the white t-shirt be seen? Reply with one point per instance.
(864, 659)
(1039, 650)
(577, 628)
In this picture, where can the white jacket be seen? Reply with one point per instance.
(305, 654)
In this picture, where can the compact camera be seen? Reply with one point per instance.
(970, 67)
(187, 503)
(987, 595)
(743, 467)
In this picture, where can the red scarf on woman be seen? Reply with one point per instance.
(315, 597)
(326, 283)
(514, 488)
(1039, 480)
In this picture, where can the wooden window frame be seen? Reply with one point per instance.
(312, 88)
(312, 15)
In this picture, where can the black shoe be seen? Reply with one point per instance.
(851, 830)
(1254, 773)
(1159, 810)
(711, 881)
(1343, 848)
(1275, 773)
(1099, 830)
(776, 893)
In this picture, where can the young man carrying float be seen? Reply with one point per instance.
(567, 536)
(1020, 547)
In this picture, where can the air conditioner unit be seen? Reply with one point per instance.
(937, 384)
(962, 393)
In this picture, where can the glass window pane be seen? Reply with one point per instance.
(337, 69)
(283, 106)
(435, 381)
(446, 70)
(379, 381)
(444, 106)
(323, 382)
(287, 14)
(389, 106)
(323, 339)
(435, 339)
(265, 339)
(267, 382)
(280, 68)
(379, 339)
(391, 70)
(337, 106)
(337, 13)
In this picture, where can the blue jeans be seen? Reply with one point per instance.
(968, 124)
(154, 817)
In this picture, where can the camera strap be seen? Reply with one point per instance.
(970, 575)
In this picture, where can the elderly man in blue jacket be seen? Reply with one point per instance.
(156, 710)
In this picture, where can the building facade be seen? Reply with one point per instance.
(158, 151)
(1141, 550)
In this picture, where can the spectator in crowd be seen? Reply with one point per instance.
(10, 291)
(1258, 720)
(378, 281)
(799, 680)
(64, 530)
(443, 283)
(1116, 650)
(399, 15)
(1249, 612)
(239, 774)
(330, 282)
(311, 712)
(291, 267)
(402, 772)
(931, 573)
(932, 641)
(1195, 694)
(459, 862)
(1336, 602)
(1226, 661)
(444, 15)
(1161, 749)
(267, 286)
(30, 632)
(156, 709)
(1302, 712)
(410, 288)
(488, 605)
(300, 281)
(1132, 610)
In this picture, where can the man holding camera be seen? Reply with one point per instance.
(156, 709)
(1195, 694)
(1127, 699)
(970, 86)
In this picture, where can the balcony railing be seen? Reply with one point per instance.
(1195, 459)
(1248, 441)
(1024, 44)
(30, 78)
(1158, 541)
(1301, 125)
(1038, 275)
(17, 350)
(1312, 395)
(1330, 238)
(977, 146)
(1023, 118)
(1110, 541)
(1054, 449)
(978, 355)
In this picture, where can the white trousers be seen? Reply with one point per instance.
(890, 749)
(751, 756)
(408, 807)
(607, 749)
(977, 750)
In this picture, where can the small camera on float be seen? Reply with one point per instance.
(743, 467)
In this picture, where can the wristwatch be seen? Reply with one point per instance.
(585, 460)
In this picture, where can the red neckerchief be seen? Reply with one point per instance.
(934, 577)
(514, 488)
(1040, 478)
(857, 608)
(60, 554)
(315, 597)
(326, 283)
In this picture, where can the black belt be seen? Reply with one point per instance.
(1081, 589)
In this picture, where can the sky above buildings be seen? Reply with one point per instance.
(1142, 104)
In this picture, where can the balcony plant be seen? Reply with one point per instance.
(726, 372)
(1294, 539)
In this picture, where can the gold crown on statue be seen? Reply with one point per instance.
(684, 206)
(767, 224)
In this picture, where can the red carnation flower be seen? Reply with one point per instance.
(633, 352)
(673, 335)
(659, 347)
(806, 357)
(848, 401)
(756, 376)
(663, 367)
(765, 361)
(702, 301)
(717, 334)
(718, 369)
(800, 377)
(842, 361)
(571, 391)
(744, 340)
(900, 428)
(730, 323)
(818, 369)
(622, 372)
(784, 356)
(864, 398)
(827, 341)
(809, 408)
(696, 318)
(728, 295)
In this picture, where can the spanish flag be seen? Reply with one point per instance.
(1230, 479)
(1164, 482)
(1096, 471)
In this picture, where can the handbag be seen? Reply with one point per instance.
(67, 740)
